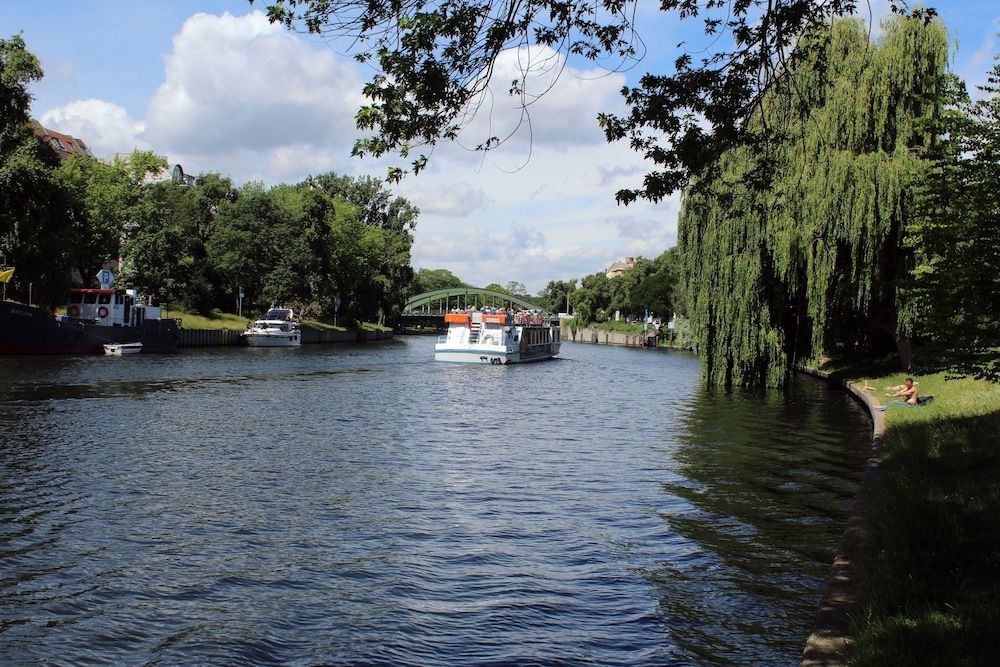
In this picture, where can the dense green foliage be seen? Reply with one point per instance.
(433, 61)
(649, 287)
(297, 245)
(193, 247)
(554, 297)
(796, 250)
(429, 280)
(33, 236)
(955, 233)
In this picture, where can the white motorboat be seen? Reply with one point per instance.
(118, 349)
(277, 328)
(497, 338)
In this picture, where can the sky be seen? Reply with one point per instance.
(211, 85)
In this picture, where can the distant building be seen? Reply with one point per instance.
(63, 144)
(172, 172)
(620, 267)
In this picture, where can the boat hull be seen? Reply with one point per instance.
(121, 349)
(274, 340)
(492, 355)
(31, 330)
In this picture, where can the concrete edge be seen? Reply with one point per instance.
(829, 643)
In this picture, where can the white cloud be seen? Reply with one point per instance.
(240, 87)
(521, 253)
(559, 108)
(105, 127)
(619, 174)
(451, 201)
(553, 219)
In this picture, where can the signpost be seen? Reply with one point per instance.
(242, 294)
(105, 277)
(336, 308)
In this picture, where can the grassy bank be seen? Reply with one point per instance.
(931, 582)
(219, 320)
(214, 320)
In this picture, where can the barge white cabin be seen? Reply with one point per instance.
(497, 337)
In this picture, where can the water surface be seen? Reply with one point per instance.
(362, 504)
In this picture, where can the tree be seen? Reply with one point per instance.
(516, 288)
(955, 233)
(434, 60)
(592, 300)
(35, 234)
(656, 290)
(157, 256)
(106, 199)
(555, 296)
(497, 287)
(394, 218)
(429, 280)
(812, 264)
(243, 248)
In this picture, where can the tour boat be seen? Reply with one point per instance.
(496, 338)
(94, 318)
(277, 328)
(118, 349)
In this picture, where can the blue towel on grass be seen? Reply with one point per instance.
(923, 400)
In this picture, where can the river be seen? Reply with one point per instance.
(366, 505)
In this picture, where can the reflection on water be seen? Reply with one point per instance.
(761, 483)
(352, 504)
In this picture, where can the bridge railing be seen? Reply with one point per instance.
(439, 302)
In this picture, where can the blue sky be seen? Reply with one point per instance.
(211, 85)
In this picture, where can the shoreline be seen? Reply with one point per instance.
(830, 642)
(310, 336)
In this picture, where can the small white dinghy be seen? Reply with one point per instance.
(118, 349)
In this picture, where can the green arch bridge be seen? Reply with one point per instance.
(428, 309)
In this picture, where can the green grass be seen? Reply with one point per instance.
(931, 583)
(219, 320)
(214, 320)
(323, 326)
(627, 327)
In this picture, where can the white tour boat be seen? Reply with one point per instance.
(277, 328)
(497, 337)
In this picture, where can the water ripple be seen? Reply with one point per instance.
(363, 505)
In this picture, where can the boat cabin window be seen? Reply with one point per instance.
(75, 297)
(119, 299)
(90, 297)
(103, 298)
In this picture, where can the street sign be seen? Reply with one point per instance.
(242, 292)
(105, 277)
(336, 304)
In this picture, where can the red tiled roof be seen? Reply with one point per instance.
(63, 144)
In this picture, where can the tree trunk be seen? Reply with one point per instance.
(904, 348)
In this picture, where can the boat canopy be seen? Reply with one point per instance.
(281, 314)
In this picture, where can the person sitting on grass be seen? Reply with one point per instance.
(908, 391)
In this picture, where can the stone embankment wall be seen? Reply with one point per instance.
(830, 643)
(227, 337)
(598, 336)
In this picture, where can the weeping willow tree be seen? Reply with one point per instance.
(792, 246)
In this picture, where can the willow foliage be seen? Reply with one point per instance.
(792, 247)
